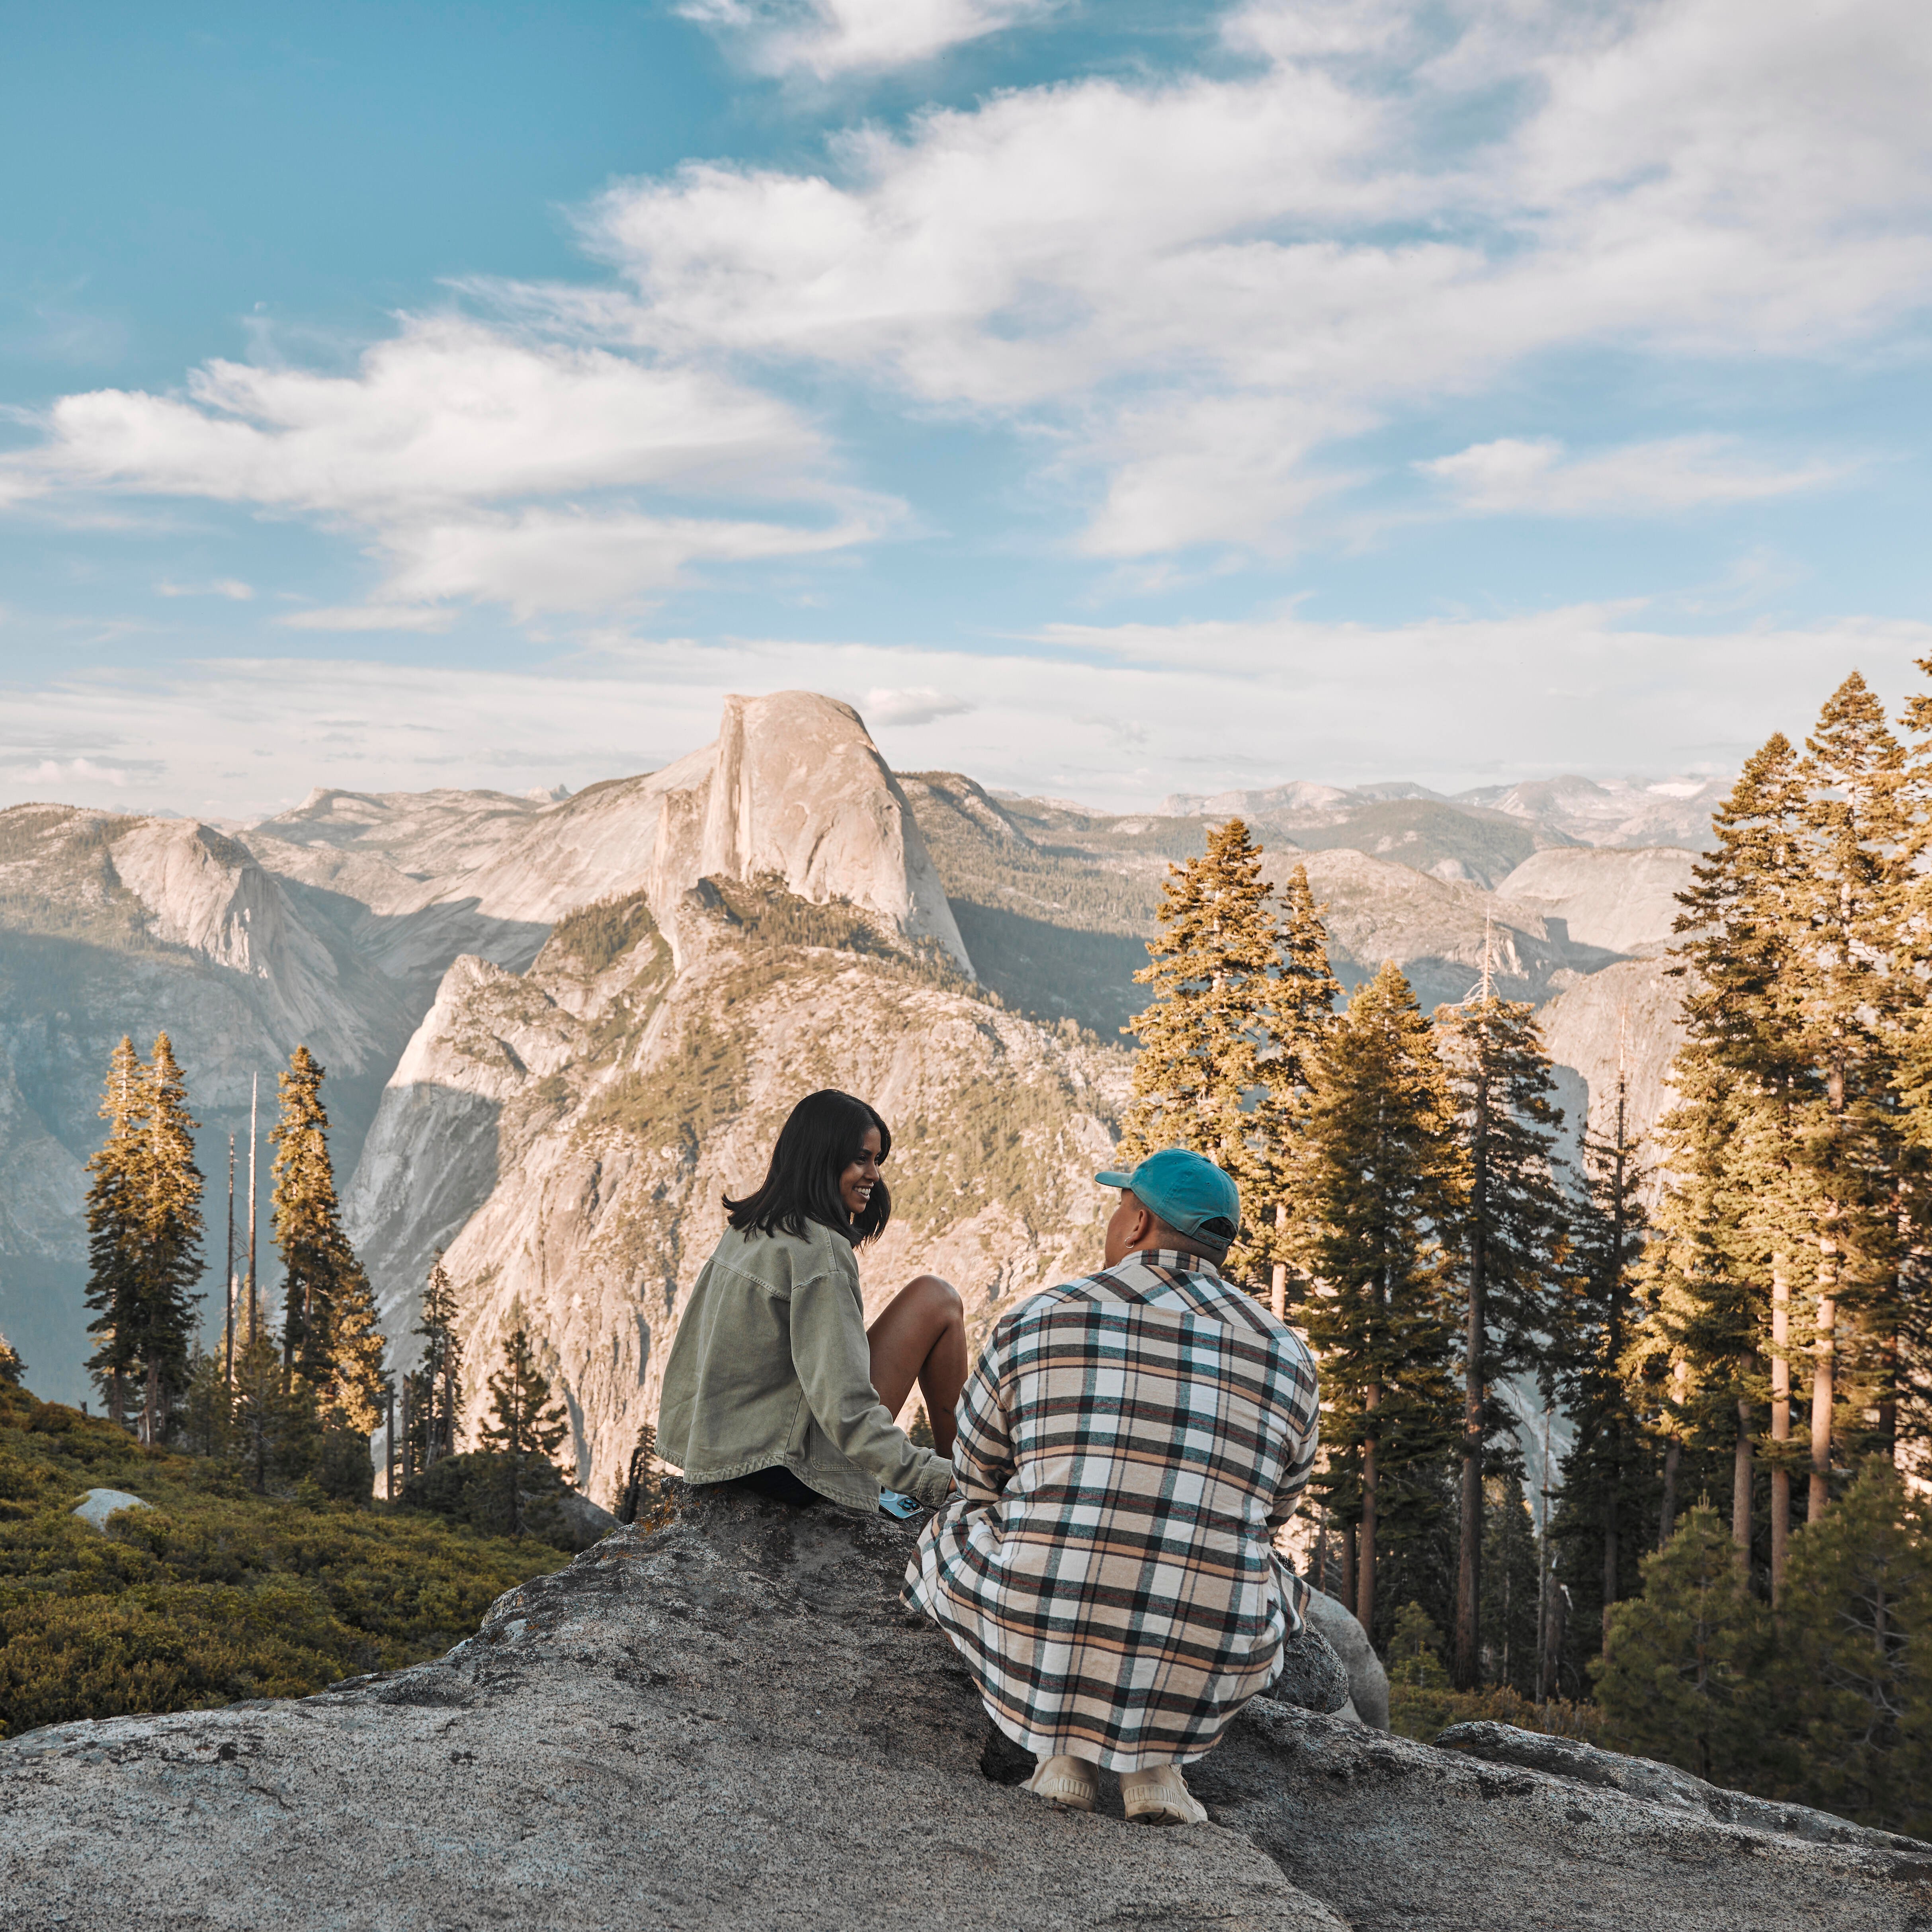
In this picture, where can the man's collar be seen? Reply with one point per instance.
(1176, 1261)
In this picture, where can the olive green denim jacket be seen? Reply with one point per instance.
(770, 1367)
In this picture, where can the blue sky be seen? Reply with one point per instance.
(1109, 399)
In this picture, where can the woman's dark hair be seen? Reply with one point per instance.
(824, 1136)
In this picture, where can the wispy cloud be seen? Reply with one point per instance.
(436, 429)
(922, 705)
(1538, 477)
(230, 587)
(829, 37)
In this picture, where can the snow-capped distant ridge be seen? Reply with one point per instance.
(1672, 810)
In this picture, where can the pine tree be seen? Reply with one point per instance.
(1682, 1678)
(114, 1199)
(1415, 1651)
(1512, 1603)
(1303, 998)
(1509, 1240)
(1382, 1177)
(1732, 1226)
(207, 1413)
(645, 1488)
(1605, 1482)
(1853, 1651)
(276, 1432)
(1209, 1033)
(12, 1370)
(1911, 1028)
(437, 1392)
(169, 1231)
(524, 1422)
(1848, 992)
(1694, 1350)
(330, 1337)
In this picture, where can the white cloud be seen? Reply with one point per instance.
(829, 38)
(539, 559)
(439, 425)
(1686, 472)
(1197, 282)
(447, 411)
(230, 587)
(371, 617)
(921, 705)
(83, 772)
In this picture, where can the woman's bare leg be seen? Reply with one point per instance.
(920, 1337)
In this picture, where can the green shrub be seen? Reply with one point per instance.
(1425, 1712)
(215, 1593)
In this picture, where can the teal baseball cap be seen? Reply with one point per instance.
(1192, 1195)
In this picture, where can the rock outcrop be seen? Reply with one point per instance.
(1437, 929)
(793, 790)
(1623, 901)
(1625, 1016)
(731, 1723)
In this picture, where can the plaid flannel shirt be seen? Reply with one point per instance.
(1128, 1445)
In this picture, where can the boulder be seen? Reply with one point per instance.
(97, 1505)
(731, 1723)
(1368, 1681)
(1663, 1783)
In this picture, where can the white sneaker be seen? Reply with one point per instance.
(1069, 1782)
(1160, 1795)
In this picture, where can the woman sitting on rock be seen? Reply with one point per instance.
(775, 1383)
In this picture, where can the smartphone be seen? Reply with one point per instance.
(893, 1504)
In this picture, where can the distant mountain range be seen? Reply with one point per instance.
(556, 1028)
(1558, 811)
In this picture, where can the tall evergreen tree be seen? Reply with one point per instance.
(1912, 1028)
(1303, 1000)
(524, 1422)
(1382, 1177)
(1848, 991)
(438, 1404)
(1509, 1242)
(1732, 1228)
(114, 1209)
(1223, 1043)
(275, 1431)
(169, 1232)
(330, 1338)
(1855, 1652)
(12, 1370)
(1513, 1603)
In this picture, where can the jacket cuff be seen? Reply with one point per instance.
(935, 1483)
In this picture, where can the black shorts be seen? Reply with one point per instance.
(778, 1484)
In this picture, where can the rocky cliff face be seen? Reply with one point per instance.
(1621, 901)
(793, 789)
(730, 1723)
(1627, 1017)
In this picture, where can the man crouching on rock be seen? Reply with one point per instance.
(1128, 1444)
